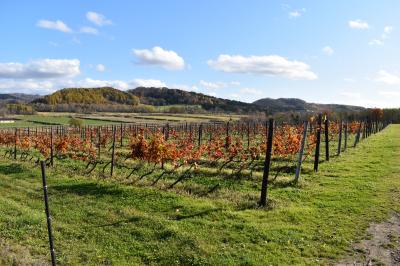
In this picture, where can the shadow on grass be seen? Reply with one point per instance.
(11, 169)
(89, 189)
(197, 214)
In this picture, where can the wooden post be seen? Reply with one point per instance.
(167, 132)
(15, 143)
(227, 135)
(358, 135)
(99, 142)
(51, 147)
(267, 163)
(369, 128)
(339, 149)
(48, 216)
(301, 152)
(326, 125)
(345, 136)
(113, 152)
(200, 134)
(364, 130)
(121, 132)
(316, 157)
(248, 134)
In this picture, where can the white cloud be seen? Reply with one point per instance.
(234, 96)
(92, 83)
(388, 29)
(148, 83)
(44, 68)
(390, 94)
(272, 65)
(349, 80)
(388, 78)
(358, 24)
(246, 95)
(294, 14)
(376, 42)
(251, 91)
(328, 50)
(157, 56)
(98, 19)
(34, 86)
(184, 87)
(53, 25)
(350, 94)
(100, 68)
(366, 99)
(212, 85)
(297, 13)
(218, 84)
(120, 84)
(385, 35)
(89, 30)
(29, 86)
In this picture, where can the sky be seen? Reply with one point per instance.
(321, 51)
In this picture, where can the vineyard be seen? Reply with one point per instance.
(168, 155)
(194, 194)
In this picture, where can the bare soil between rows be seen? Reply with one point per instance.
(381, 248)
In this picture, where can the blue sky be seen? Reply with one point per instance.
(320, 51)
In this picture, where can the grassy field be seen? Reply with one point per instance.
(18, 123)
(100, 221)
(162, 117)
(41, 119)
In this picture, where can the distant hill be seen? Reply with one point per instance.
(107, 98)
(17, 97)
(166, 96)
(297, 105)
(97, 96)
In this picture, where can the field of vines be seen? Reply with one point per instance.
(172, 154)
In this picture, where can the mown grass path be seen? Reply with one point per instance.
(99, 222)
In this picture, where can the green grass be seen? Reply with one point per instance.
(163, 117)
(101, 221)
(41, 120)
(18, 123)
(48, 118)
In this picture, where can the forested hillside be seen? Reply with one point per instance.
(104, 95)
(166, 96)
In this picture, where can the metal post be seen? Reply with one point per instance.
(113, 151)
(326, 123)
(316, 157)
(267, 163)
(47, 209)
(339, 149)
(301, 152)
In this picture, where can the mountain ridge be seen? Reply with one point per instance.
(168, 96)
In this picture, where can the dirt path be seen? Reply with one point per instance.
(18, 255)
(382, 247)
